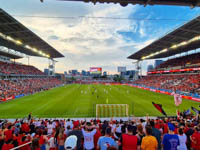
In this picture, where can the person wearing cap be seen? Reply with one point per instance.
(78, 134)
(106, 141)
(170, 140)
(71, 142)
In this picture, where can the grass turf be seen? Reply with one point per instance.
(68, 101)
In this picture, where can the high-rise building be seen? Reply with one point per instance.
(46, 71)
(149, 68)
(83, 73)
(121, 69)
(74, 72)
(157, 63)
(88, 73)
(130, 72)
(105, 73)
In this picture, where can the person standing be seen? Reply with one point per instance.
(149, 142)
(106, 141)
(156, 133)
(76, 132)
(170, 140)
(182, 139)
(129, 141)
(88, 135)
(29, 116)
(195, 139)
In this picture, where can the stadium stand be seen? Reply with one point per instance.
(181, 83)
(184, 61)
(15, 87)
(179, 75)
(17, 80)
(8, 68)
(173, 76)
(39, 134)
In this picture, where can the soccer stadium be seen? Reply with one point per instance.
(93, 110)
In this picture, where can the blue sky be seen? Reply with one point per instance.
(90, 42)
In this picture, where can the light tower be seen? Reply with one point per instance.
(52, 63)
(138, 72)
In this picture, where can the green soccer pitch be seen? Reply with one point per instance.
(79, 101)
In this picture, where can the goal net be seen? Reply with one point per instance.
(111, 110)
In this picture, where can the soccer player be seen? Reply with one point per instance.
(29, 116)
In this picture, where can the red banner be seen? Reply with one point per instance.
(175, 70)
(8, 98)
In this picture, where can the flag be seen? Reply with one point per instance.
(178, 114)
(159, 108)
(195, 110)
(187, 112)
(177, 99)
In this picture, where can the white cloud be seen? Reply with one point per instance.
(88, 42)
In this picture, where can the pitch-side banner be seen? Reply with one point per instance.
(9, 98)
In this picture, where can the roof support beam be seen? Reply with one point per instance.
(197, 19)
(13, 32)
(180, 37)
(188, 30)
(8, 23)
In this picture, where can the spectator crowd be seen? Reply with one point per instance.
(27, 86)
(18, 69)
(181, 61)
(185, 82)
(137, 134)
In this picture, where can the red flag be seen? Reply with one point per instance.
(178, 114)
(159, 108)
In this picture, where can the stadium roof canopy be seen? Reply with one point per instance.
(16, 36)
(10, 55)
(182, 39)
(191, 3)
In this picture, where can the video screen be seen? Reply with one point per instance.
(95, 70)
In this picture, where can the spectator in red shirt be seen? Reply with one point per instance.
(129, 141)
(8, 133)
(195, 139)
(8, 145)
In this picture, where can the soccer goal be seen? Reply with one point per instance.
(111, 110)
